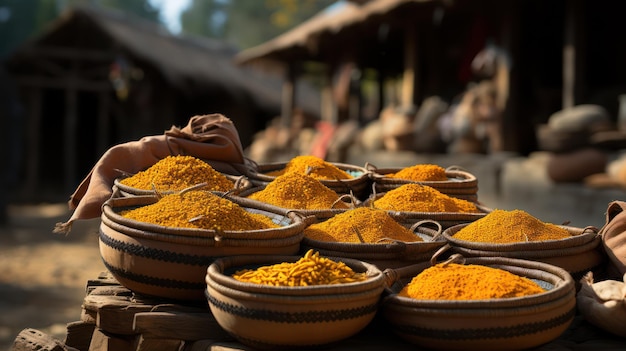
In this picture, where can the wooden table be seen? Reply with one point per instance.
(115, 319)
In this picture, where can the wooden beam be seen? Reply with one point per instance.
(67, 53)
(63, 83)
(409, 77)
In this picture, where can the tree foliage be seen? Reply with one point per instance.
(20, 20)
(246, 23)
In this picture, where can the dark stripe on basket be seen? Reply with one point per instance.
(156, 254)
(299, 317)
(488, 333)
(154, 281)
(282, 347)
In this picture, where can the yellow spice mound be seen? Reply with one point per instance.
(311, 269)
(453, 281)
(313, 166)
(360, 225)
(422, 198)
(421, 172)
(298, 191)
(501, 227)
(199, 209)
(175, 173)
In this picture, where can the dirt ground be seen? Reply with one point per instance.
(43, 275)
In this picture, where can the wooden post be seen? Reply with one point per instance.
(31, 182)
(104, 124)
(288, 95)
(71, 122)
(572, 61)
(409, 77)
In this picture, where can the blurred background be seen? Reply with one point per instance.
(529, 95)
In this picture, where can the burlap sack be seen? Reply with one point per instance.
(212, 138)
(613, 235)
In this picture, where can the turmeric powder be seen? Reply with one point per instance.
(174, 173)
(414, 197)
(199, 209)
(420, 173)
(298, 191)
(315, 167)
(452, 281)
(311, 269)
(360, 225)
(501, 227)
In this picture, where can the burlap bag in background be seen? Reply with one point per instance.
(212, 138)
(614, 236)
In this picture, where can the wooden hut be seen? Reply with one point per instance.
(562, 53)
(97, 78)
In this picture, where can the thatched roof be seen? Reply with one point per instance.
(187, 63)
(329, 32)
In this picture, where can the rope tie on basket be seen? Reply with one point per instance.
(592, 229)
(350, 196)
(444, 248)
(454, 258)
(415, 226)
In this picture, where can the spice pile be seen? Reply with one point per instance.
(311, 269)
(422, 198)
(502, 227)
(452, 281)
(421, 173)
(175, 173)
(199, 209)
(314, 166)
(298, 191)
(360, 225)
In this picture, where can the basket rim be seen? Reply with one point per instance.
(259, 173)
(132, 191)
(216, 278)
(163, 233)
(562, 281)
(579, 236)
(455, 175)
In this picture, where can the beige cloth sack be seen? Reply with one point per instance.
(212, 138)
(613, 235)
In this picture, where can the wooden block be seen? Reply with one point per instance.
(79, 335)
(31, 339)
(103, 341)
(144, 344)
(104, 279)
(119, 320)
(181, 325)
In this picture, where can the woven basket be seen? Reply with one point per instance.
(446, 219)
(497, 324)
(290, 318)
(460, 184)
(319, 214)
(170, 262)
(577, 254)
(359, 186)
(240, 183)
(390, 254)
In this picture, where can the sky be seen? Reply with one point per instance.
(170, 11)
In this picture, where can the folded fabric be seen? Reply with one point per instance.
(614, 236)
(212, 138)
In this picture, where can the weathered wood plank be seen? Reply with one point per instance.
(31, 339)
(145, 344)
(181, 325)
(79, 335)
(103, 341)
